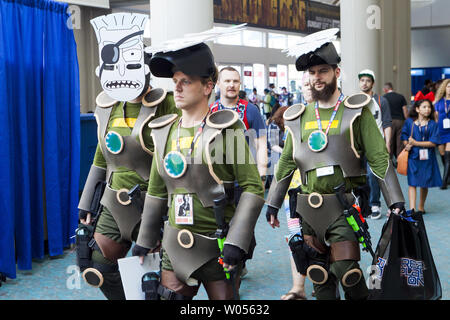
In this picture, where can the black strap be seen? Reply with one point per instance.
(105, 268)
(170, 294)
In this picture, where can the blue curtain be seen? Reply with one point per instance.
(40, 131)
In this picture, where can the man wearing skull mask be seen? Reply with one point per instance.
(124, 153)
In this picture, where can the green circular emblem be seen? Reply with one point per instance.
(175, 164)
(317, 141)
(114, 142)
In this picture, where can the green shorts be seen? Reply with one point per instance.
(338, 231)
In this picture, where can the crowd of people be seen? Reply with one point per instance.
(417, 126)
(178, 175)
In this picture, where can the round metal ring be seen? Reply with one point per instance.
(120, 193)
(311, 198)
(185, 232)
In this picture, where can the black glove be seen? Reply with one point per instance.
(398, 205)
(232, 255)
(271, 211)
(139, 251)
(82, 215)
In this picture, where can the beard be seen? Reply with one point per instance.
(326, 93)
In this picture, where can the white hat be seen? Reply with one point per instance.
(367, 73)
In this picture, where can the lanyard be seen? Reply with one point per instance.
(333, 115)
(197, 134)
(447, 109)
(239, 108)
(425, 131)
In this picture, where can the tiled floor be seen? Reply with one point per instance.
(269, 272)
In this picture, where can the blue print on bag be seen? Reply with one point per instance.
(381, 263)
(412, 270)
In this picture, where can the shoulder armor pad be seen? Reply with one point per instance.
(294, 111)
(162, 121)
(357, 101)
(154, 97)
(104, 101)
(222, 119)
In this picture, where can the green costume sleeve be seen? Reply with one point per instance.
(99, 160)
(372, 143)
(286, 164)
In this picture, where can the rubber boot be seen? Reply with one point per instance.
(446, 170)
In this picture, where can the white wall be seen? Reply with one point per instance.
(427, 13)
(430, 47)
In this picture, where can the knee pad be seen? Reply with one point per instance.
(318, 266)
(94, 276)
(317, 274)
(351, 277)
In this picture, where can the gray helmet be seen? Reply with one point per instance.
(326, 54)
(196, 60)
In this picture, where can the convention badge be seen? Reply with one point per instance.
(325, 171)
(446, 123)
(184, 210)
(114, 142)
(317, 141)
(175, 164)
(423, 154)
(122, 70)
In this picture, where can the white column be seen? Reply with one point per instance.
(376, 35)
(360, 41)
(396, 45)
(171, 19)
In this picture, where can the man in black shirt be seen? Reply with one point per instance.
(399, 113)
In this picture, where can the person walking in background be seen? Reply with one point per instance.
(399, 112)
(420, 136)
(380, 111)
(297, 292)
(267, 103)
(442, 105)
(229, 82)
(285, 98)
(254, 97)
(426, 92)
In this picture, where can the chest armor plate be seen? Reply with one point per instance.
(199, 177)
(339, 151)
(134, 155)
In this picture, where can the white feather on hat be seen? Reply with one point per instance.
(191, 39)
(312, 42)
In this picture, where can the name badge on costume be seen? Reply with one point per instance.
(325, 171)
(446, 123)
(184, 209)
(423, 154)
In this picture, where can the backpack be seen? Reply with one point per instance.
(273, 100)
